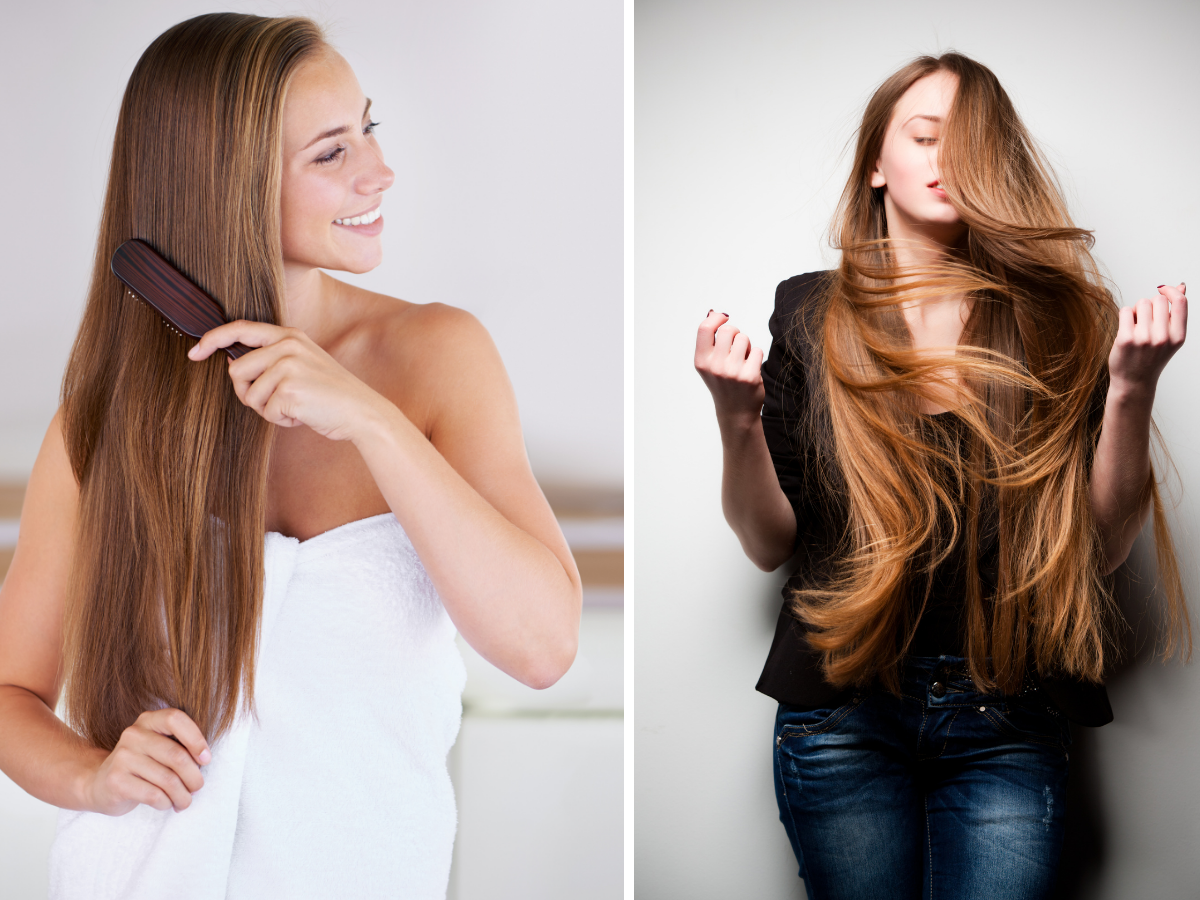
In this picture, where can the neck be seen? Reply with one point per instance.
(920, 244)
(308, 302)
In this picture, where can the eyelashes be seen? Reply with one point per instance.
(333, 154)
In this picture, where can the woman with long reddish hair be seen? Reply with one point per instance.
(245, 576)
(951, 435)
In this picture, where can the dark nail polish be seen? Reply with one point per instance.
(726, 315)
(709, 313)
(1162, 285)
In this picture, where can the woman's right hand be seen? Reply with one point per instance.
(730, 367)
(157, 762)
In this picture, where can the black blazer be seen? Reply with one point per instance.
(795, 423)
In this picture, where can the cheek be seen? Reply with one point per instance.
(308, 206)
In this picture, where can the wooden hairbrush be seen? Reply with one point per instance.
(186, 308)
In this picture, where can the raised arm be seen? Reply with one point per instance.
(460, 485)
(1148, 336)
(754, 504)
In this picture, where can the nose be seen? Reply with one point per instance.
(376, 177)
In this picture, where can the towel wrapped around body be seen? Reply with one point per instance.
(338, 785)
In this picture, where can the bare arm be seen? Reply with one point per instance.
(1149, 334)
(461, 487)
(37, 751)
(469, 502)
(754, 504)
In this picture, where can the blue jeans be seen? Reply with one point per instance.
(942, 793)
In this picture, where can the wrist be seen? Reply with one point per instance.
(84, 779)
(376, 422)
(738, 423)
(1122, 392)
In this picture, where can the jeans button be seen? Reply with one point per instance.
(937, 689)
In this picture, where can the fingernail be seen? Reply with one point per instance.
(726, 315)
(205, 757)
(1162, 285)
(709, 313)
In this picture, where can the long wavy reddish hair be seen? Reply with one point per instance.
(1032, 356)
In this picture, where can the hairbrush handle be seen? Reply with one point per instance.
(151, 278)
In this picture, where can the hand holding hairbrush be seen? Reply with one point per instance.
(150, 278)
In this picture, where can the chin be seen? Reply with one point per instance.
(365, 260)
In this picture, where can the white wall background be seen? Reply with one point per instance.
(502, 120)
(745, 114)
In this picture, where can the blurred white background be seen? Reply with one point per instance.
(503, 122)
(745, 118)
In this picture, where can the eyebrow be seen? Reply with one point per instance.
(920, 116)
(334, 132)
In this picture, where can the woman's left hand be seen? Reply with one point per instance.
(289, 380)
(1147, 337)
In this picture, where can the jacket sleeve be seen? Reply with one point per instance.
(785, 372)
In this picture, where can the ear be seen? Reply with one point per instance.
(877, 179)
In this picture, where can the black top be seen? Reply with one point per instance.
(794, 418)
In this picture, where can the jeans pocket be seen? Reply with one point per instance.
(1031, 719)
(796, 720)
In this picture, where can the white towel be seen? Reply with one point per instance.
(339, 786)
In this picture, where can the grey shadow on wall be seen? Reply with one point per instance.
(1087, 836)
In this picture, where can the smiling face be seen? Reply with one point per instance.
(333, 171)
(907, 164)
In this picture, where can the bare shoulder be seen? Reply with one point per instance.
(428, 358)
(442, 338)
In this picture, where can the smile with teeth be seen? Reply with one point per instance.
(364, 219)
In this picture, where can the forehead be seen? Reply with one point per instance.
(324, 94)
(932, 95)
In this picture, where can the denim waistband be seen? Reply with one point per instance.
(948, 674)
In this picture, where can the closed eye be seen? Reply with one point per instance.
(332, 155)
(926, 140)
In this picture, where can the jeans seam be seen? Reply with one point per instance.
(786, 799)
(949, 728)
(929, 846)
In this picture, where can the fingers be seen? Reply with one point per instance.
(1143, 313)
(256, 376)
(1125, 324)
(179, 725)
(162, 787)
(705, 334)
(740, 346)
(133, 788)
(1175, 321)
(756, 358)
(1162, 319)
(252, 334)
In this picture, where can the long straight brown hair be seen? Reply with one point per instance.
(1032, 360)
(165, 595)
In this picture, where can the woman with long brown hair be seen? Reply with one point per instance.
(951, 436)
(266, 717)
